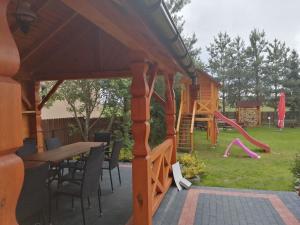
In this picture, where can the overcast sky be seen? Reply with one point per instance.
(279, 18)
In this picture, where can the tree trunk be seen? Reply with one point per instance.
(223, 102)
(111, 122)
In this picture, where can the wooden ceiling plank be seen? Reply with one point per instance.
(37, 8)
(61, 50)
(128, 31)
(48, 38)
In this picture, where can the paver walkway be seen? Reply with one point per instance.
(222, 206)
(198, 206)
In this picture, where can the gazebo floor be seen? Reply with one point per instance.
(198, 206)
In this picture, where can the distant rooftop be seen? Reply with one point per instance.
(249, 104)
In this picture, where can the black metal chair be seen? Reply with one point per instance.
(84, 184)
(52, 143)
(55, 168)
(112, 161)
(103, 137)
(33, 198)
(28, 148)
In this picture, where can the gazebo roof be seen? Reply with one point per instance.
(87, 39)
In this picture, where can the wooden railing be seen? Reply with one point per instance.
(161, 176)
(204, 106)
(179, 116)
(192, 125)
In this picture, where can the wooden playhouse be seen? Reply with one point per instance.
(199, 102)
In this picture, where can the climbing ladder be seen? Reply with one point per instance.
(185, 131)
(184, 140)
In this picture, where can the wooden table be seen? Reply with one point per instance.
(32, 164)
(63, 152)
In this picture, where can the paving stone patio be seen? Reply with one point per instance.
(222, 206)
(197, 206)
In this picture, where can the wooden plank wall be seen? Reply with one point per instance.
(61, 128)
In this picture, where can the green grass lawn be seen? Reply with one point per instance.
(271, 172)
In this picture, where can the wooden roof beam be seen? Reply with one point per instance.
(26, 101)
(83, 75)
(152, 79)
(50, 93)
(159, 99)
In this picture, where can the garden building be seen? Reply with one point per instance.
(249, 113)
(199, 102)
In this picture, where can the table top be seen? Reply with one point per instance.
(63, 152)
(32, 164)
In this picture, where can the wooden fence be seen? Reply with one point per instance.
(291, 118)
(65, 129)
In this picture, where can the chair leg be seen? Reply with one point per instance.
(44, 217)
(111, 182)
(82, 210)
(49, 203)
(57, 202)
(119, 175)
(73, 203)
(99, 200)
(89, 202)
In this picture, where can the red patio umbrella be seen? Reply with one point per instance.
(281, 110)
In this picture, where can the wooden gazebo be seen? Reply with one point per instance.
(89, 39)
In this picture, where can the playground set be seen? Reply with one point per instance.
(199, 103)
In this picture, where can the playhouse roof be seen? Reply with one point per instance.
(249, 104)
(210, 77)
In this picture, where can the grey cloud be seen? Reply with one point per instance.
(279, 18)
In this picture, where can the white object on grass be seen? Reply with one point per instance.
(180, 181)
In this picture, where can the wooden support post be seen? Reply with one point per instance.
(38, 118)
(170, 111)
(141, 171)
(11, 166)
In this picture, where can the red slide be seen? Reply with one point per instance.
(252, 140)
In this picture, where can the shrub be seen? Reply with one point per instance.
(191, 165)
(296, 170)
(126, 155)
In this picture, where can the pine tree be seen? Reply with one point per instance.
(219, 52)
(275, 70)
(175, 7)
(292, 82)
(238, 73)
(256, 56)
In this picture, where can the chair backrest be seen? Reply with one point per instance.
(28, 148)
(52, 143)
(114, 160)
(92, 171)
(33, 197)
(103, 137)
